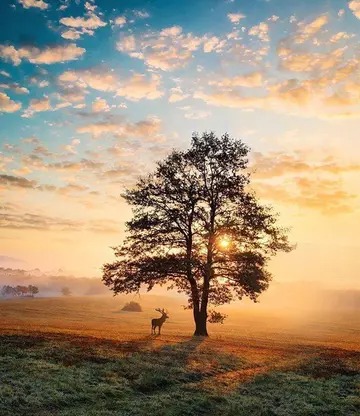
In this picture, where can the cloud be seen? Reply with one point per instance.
(138, 87)
(127, 44)
(341, 36)
(40, 222)
(291, 91)
(308, 97)
(16, 88)
(71, 148)
(213, 44)
(100, 105)
(273, 18)
(39, 81)
(4, 161)
(37, 106)
(231, 99)
(92, 22)
(235, 17)
(177, 94)
(276, 164)
(141, 14)
(27, 221)
(135, 88)
(48, 55)
(71, 34)
(305, 181)
(90, 7)
(120, 21)
(42, 151)
(261, 31)
(323, 195)
(252, 79)
(71, 166)
(97, 79)
(148, 129)
(16, 182)
(40, 4)
(354, 6)
(197, 115)
(7, 105)
(71, 93)
(31, 140)
(168, 49)
(307, 31)
(294, 61)
(5, 74)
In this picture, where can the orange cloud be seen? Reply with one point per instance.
(48, 55)
(167, 49)
(40, 4)
(7, 105)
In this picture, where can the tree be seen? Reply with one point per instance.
(33, 290)
(21, 290)
(66, 291)
(8, 291)
(198, 227)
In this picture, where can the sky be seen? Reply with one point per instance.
(93, 93)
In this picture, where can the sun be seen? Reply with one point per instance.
(224, 243)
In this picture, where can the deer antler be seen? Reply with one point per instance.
(162, 311)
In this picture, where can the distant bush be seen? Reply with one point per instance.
(132, 307)
(66, 291)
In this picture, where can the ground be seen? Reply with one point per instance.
(83, 356)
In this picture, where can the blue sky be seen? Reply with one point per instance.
(92, 93)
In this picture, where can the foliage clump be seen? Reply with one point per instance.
(132, 307)
(65, 291)
(215, 317)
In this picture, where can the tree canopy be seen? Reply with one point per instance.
(198, 227)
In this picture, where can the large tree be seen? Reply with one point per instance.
(197, 227)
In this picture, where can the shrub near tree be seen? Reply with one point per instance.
(132, 307)
(197, 227)
(65, 291)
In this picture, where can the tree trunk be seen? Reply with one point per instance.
(200, 324)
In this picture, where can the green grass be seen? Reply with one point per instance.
(54, 374)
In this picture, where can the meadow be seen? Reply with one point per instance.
(84, 356)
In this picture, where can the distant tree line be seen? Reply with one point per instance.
(19, 291)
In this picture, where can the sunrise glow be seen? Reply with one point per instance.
(93, 93)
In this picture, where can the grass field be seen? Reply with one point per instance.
(82, 356)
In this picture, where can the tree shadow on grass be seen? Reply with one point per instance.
(65, 375)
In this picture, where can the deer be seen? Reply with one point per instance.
(158, 322)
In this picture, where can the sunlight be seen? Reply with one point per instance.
(224, 243)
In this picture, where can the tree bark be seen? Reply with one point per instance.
(200, 324)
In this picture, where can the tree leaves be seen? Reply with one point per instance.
(180, 214)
